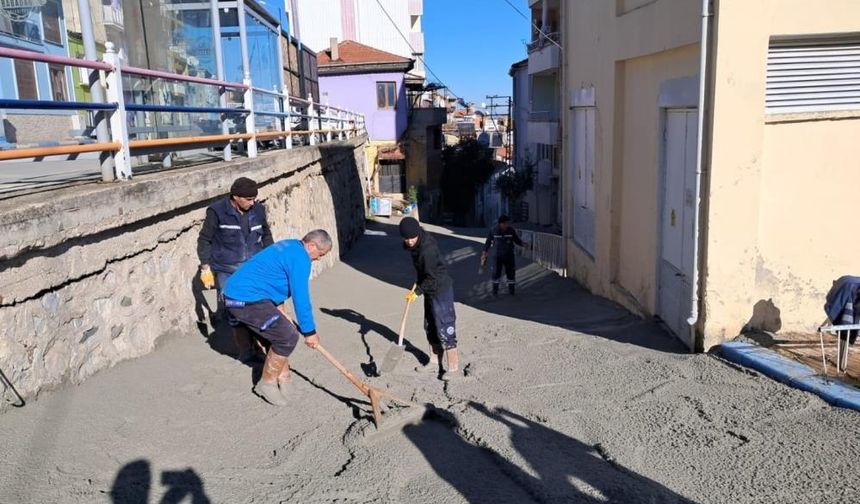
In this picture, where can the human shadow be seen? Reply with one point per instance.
(133, 484)
(366, 326)
(542, 296)
(552, 466)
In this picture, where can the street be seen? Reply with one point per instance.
(566, 398)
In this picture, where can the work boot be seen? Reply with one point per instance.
(284, 380)
(453, 372)
(511, 289)
(267, 387)
(435, 361)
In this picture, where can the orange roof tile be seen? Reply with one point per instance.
(351, 52)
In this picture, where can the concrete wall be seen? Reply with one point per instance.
(358, 94)
(625, 58)
(95, 274)
(782, 193)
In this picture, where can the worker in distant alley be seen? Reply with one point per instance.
(437, 287)
(502, 238)
(234, 230)
(254, 294)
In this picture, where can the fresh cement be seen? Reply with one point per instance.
(567, 398)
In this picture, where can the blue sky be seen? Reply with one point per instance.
(471, 44)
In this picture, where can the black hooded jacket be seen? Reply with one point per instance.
(432, 272)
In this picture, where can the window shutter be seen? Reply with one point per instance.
(813, 76)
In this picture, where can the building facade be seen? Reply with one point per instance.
(694, 134)
(315, 22)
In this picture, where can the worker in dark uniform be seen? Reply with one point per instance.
(434, 283)
(502, 238)
(234, 230)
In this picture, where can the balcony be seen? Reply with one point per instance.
(543, 127)
(544, 54)
(112, 16)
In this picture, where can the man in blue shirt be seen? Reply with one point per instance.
(253, 296)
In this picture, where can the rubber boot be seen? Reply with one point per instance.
(284, 380)
(453, 372)
(435, 363)
(267, 387)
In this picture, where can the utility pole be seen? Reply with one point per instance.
(509, 130)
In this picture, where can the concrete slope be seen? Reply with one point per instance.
(567, 398)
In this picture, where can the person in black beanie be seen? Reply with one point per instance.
(235, 229)
(437, 287)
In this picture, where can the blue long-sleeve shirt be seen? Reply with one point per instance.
(277, 273)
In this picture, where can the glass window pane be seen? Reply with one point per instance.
(51, 22)
(380, 95)
(58, 82)
(391, 95)
(25, 77)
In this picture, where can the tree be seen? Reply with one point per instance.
(513, 183)
(465, 168)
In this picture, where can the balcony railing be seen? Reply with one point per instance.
(125, 107)
(550, 39)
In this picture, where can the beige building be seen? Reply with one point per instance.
(714, 214)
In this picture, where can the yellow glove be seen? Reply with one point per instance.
(411, 296)
(207, 278)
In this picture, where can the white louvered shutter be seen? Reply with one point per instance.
(813, 76)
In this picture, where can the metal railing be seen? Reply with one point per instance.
(295, 119)
(544, 249)
(550, 39)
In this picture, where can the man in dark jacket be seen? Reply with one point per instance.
(503, 237)
(434, 283)
(234, 230)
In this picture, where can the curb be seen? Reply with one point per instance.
(791, 373)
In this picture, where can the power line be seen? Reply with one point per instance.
(393, 23)
(536, 27)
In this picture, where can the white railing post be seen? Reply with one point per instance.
(312, 137)
(341, 125)
(288, 119)
(118, 120)
(250, 126)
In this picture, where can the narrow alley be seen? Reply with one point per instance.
(566, 398)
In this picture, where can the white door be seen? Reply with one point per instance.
(676, 220)
(582, 177)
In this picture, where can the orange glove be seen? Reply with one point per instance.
(207, 278)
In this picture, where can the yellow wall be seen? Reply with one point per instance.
(624, 58)
(780, 193)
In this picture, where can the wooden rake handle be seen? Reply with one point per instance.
(363, 387)
(403, 320)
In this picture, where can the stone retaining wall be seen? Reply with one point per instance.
(95, 274)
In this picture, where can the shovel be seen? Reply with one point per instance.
(392, 357)
(373, 393)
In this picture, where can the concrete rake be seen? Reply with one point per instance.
(373, 393)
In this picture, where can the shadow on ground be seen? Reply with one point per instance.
(133, 484)
(548, 466)
(542, 296)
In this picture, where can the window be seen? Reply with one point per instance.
(25, 77)
(27, 29)
(51, 22)
(812, 76)
(58, 82)
(392, 178)
(386, 95)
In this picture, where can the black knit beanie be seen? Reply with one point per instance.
(244, 187)
(409, 228)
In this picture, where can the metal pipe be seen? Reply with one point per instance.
(157, 74)
(704, 74)
(6, 52)
(96, 89)
(141, 107)
(54, 105)
(60, 150)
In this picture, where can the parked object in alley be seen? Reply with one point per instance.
(396, 352)
(438, 289)
(253, 295)
(373, 393)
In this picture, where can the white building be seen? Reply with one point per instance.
(315, 22)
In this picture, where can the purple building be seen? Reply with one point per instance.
(366, 80)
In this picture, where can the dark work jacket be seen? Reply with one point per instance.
(229, 238)
(429, 265)
(841, 305)
(503, 241)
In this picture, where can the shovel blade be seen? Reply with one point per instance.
(392, 357)
(211, 298)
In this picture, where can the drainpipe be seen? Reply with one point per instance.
(704, 74)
